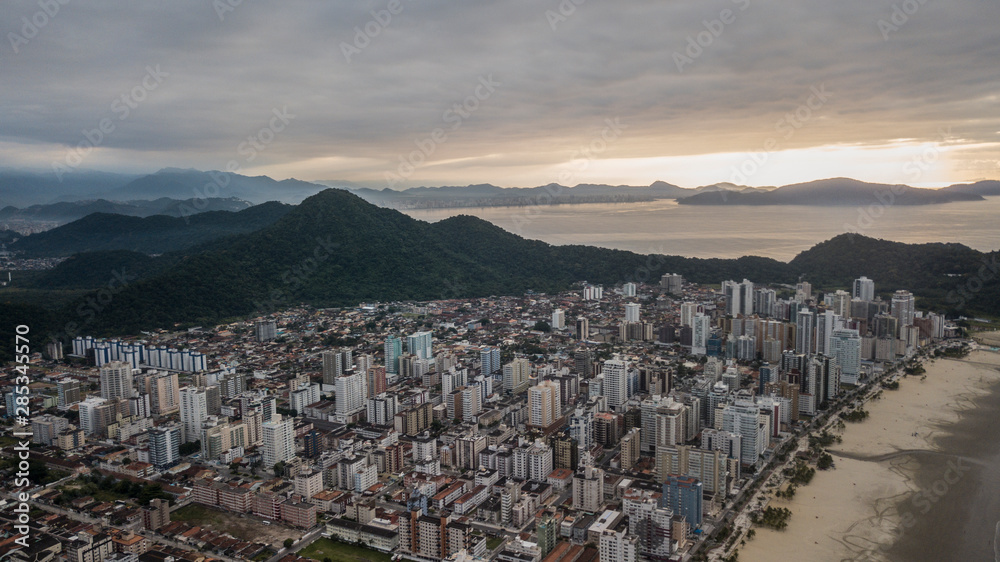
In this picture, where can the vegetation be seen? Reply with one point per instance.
(773, 517)
(891, 385)
(858, 415)
(324, 548)
(38, 473)
(323, 252)
(156, 234)
(801, 473)
(825, 461)
(190, 447)
(110, 489)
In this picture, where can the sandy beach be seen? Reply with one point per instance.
(892, 472)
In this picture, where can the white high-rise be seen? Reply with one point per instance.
(632, 312)
(805, 326)
(515, 375)
(420, 344)
(864, 289)
(688, 310)
(558, 319)
(615, 389)
(903, 307)
(845, 346)
(116, 380)
(279, 441)
(194, 412)
(350, 393)
(701, 329)
(628, 290)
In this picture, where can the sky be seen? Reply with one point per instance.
(399, 93)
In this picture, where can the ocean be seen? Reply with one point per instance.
(779, 232)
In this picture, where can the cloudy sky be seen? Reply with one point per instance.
(514, 93)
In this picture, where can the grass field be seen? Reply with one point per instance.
(323, 548)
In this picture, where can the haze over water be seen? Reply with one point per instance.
(779, 232)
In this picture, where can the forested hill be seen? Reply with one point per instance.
(334, 249)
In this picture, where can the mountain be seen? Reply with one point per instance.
(984, 188)
(184, 184)
(150, 235)
(334, 249)
(66, 211)
(21, 188)
(834, 192)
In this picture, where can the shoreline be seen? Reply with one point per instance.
(880, 501)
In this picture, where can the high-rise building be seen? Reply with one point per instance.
(544, 404)
(630, 448)
(803, 292)
(393, 348)
(69, 393)
(683, 496)
(632, 312)
(845, 347)
(164, 446)
(616, 388)
(840, 302)
(701, 329)
(90, 418)
(420, 344)
(903, 307)
(618, 546)
(116, 380)
(588, 489)
(335, 364)
(163, 390)
(376, 381)
(558, 319)
(265, 330)
(515, 375)
(194, 412)
(279, 441)
(672, 282)
(739, 297)
(350, 393)
(628, 290)
(864, 289)
(582, 328)
(489, 358)
(581, 428)
(548, 533)
(687, 312)
(805, 326)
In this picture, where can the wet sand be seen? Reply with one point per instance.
(918, 480)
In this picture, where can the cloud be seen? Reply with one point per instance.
(355, 118)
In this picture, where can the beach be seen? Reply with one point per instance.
(915, 481)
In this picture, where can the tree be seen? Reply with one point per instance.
(288, 543)
(542, 326)
(189, 448)
(279, 468)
